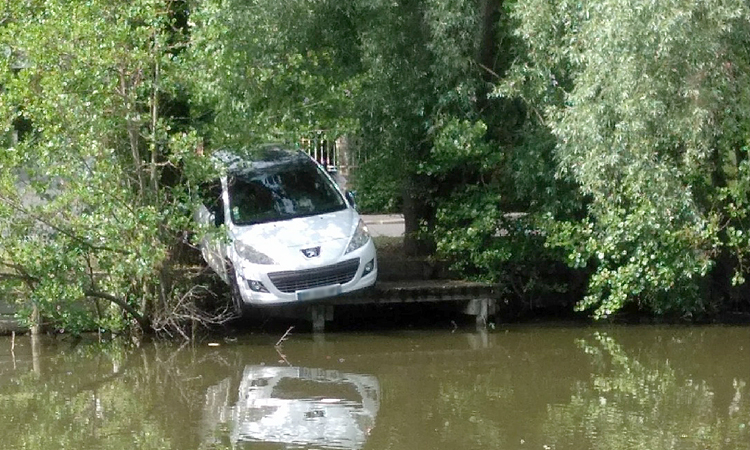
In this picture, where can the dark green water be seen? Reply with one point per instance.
(525, 387)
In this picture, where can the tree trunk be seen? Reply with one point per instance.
(487, 51)
(721, 274)
(417, 211)
(153, 172)
(411, 217)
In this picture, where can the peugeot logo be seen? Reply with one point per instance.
(311, 252)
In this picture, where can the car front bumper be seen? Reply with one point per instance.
(271, 285)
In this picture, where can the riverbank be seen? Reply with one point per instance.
(422, 290)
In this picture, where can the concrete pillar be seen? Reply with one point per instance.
(319, 315)
(481, 309)
(482, 313)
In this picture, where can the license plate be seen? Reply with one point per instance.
(321, 292)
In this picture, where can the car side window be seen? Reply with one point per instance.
(213, 200)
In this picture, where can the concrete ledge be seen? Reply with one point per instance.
(478, 299)
(8, 325)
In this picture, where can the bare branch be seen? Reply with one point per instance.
(490, 71)
(284, 337)
(15, 276)
(183, 311)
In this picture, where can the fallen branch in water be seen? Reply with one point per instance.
(283, 357)
(284, 337)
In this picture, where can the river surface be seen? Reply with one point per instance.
(518, 387)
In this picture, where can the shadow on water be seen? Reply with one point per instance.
(381, 318)
(358, 318)
(524, 386)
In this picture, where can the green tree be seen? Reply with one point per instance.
(648, 103)
(93, 199)
(268, 71)
(475, 173)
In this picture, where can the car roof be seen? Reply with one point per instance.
(262, 159)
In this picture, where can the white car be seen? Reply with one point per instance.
(291, 234)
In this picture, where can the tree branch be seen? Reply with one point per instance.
(490, 71)
(142, 321)
(14, 276)
(21, 274)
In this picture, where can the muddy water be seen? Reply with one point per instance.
(550, 387)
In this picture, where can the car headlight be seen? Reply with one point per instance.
(360, 238)
(251, 255)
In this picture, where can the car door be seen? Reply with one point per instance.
(212, 213)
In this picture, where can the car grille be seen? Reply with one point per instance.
(297, 280)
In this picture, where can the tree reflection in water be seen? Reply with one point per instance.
(53, 405)
(638, 401)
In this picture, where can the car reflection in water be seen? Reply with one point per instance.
(296, 407)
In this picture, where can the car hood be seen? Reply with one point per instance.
(284, 240)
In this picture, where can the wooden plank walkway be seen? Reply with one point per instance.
(422, 291)
(478, 299)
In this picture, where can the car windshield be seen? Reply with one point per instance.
(283, 193)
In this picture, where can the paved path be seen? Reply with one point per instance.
(385, 224)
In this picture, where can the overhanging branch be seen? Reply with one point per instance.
(122, 304)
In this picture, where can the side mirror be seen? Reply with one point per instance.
(351, 198)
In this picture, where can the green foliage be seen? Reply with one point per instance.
(648, 103)
(737, 207)
(396, 98)
(89, 227)
(269, 71)
(378, 189)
